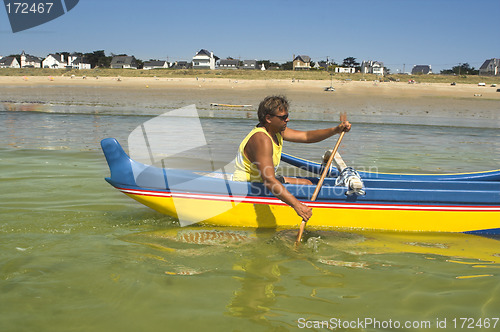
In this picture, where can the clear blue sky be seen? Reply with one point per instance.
(442, 33)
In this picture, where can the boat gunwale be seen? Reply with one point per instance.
(317, 168)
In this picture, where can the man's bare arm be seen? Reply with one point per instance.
(259, 150)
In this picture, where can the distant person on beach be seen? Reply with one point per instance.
(259, 153)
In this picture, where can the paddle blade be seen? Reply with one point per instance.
(343, 117)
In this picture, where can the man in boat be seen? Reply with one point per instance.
(259, 153)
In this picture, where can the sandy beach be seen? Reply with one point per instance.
(360, 99)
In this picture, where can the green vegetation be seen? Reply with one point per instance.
(247, 74)
(462, 69)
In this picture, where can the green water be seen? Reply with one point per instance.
(76, 255)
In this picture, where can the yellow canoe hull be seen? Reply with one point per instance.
(272, 213)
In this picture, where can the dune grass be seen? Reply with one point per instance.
(246, 74)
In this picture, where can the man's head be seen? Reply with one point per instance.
(271, 105)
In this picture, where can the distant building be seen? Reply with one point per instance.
(250, 64)
(158, 64)
(373, 67)
(345, 70)
(490, 67)
(204, 60)
(77, 61)
(30, 61)
(421, 69)
(9, 62)
(302, 62)
(229, 64)
(123, 61)
(180, 65)
(322, 65)
(54, 61)
(58, 61)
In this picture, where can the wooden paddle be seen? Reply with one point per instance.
(343, 117)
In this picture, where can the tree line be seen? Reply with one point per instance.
(461, 69)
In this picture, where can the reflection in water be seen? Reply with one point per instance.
(461, 246)
(265, 217)
(330, 269)
(256, 296)
(25, 107)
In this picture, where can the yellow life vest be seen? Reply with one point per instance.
(245, 170)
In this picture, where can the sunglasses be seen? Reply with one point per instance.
(282, 117)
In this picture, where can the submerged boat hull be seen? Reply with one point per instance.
(428, 206)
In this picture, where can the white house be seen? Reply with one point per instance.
(157, 64)
(204, 60)
(58, 61)
(76, 61)
(345, 70)
(30, 61)
(372, 67)
(490, 67)
(9, 62)
(54, 61)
